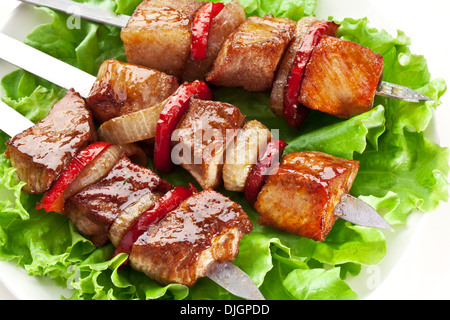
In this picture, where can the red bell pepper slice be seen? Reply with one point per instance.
(295, 113)
(260, 171)
(170, 116)
(200, 29)
(53, 199)
(169, 202)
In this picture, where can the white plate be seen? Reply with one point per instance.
(418, 259)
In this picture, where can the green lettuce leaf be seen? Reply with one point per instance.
(401, 170)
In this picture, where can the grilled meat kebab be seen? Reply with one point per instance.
(198, 40)
(204, 228)
(268, 53)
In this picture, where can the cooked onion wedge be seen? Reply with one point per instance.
(128, 216)
(243, 154)
(132, 127)
(95, 170)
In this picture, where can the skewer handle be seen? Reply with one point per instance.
(44, 65)
(83, 11)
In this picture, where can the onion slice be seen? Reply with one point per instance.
(132, 127)
(95, 170)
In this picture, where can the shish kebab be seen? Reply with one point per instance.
(295, 60)
(348, 208)
(200, 240)
(126, 189)
(66, 68)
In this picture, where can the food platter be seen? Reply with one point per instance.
(417, 260)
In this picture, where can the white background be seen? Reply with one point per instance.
(417, 266)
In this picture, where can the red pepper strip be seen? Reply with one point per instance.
(170, 116)
(200, 29)
(53, 199)
(295, 113)
(169, 202)
(262, 168)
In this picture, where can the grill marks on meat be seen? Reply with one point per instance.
(250, 56)
(206, 227)
(94, 209)
(123, 88)
(41, 152)
(158, 35)
(300, 196)
(341, 78)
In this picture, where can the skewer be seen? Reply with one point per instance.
(103, 16)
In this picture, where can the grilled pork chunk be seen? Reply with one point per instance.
(41, 152)
(122, 88)
(201, 138)
(280, 82)
(158, 35)
(301, 195)
(231, 17)
(94, 209)
(206, 227)
(243, 153)
(341, 78)
(250, 56)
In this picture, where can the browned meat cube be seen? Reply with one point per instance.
(123, 88)
(231, 17)
(158, 35)
(206, 227)
(41, 152)
(281, 79)
(301, 195)
(94, 208)
(250, 56)
(202, 137)
(341, 78)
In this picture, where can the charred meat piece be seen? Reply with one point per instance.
(281, 80)
(230, 18)
(41, 152)
(206, 227)
(300, 196)
(122, 88)
(158, 35)
(201, 138)
(250, 56)
(94, 208)
(341, 78)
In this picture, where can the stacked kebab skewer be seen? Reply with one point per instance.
(173, 233)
